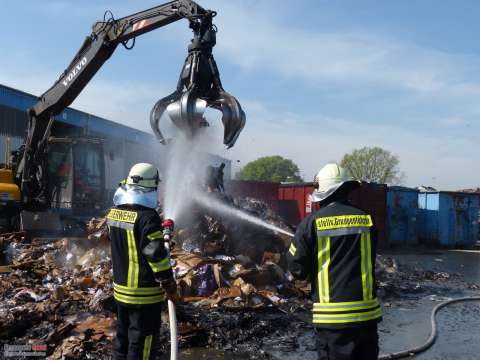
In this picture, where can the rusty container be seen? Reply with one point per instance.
(369, 197)
(261, 190)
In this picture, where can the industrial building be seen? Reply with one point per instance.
(102, 150)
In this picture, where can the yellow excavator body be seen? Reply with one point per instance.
(9, 191)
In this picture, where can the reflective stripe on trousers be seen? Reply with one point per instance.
(147, 347)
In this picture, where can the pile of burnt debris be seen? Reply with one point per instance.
(236, 292)
(57, 292)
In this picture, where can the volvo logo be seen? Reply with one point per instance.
(75, 71)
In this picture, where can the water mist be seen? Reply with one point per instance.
(185, 171)
(184, 175)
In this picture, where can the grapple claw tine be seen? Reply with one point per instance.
(157, 112)
(233, 117)
(199, 86)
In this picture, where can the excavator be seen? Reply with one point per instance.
(24, 185)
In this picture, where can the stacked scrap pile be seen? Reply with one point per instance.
(58, 292)
(214, 233)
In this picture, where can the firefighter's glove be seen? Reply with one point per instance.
(168, 226)
(170, 287)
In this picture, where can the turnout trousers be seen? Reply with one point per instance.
(356, 343)
(138, 329)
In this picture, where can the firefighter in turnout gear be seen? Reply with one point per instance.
(335, 248)
(142, 274)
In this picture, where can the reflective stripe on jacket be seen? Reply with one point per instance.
(139, 256)
(335, 248)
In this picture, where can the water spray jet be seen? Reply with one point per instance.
(214, 204)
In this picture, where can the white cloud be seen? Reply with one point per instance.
(255, 40)
(447, 163)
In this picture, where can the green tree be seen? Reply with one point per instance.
(374, 165)
(271, 168)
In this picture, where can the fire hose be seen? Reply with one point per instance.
(172, 315)
(172, 319)
(433, 334)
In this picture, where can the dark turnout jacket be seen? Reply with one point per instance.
(335, 248)
(139, 256)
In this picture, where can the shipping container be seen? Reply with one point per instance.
(402, 216)
(369, 197)
(449, 219)
(372, 198)
(301, 194)
(261, 190)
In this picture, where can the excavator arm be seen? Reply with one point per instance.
(204, 81)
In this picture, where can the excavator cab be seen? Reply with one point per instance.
(76, 186)
(76, 174)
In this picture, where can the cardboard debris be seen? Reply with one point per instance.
(40, 292)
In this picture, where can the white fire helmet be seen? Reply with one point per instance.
(143, 174)
(329, 179)
(140, 188)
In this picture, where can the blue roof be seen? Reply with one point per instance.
(94, 124)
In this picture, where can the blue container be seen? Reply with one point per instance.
(402, 214)
(449, 219)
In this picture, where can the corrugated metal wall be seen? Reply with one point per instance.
(428, 204)
(449, 219)
(402, 215)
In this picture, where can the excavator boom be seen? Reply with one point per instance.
(199, 80)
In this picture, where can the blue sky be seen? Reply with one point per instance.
(317, 78)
